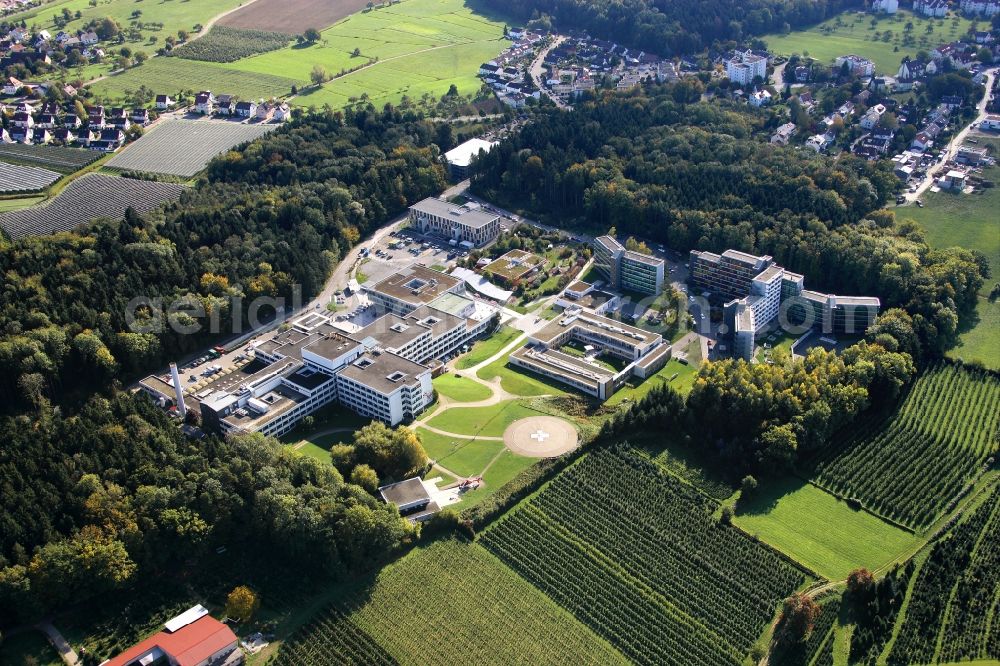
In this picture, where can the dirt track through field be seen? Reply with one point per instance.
(292, 17)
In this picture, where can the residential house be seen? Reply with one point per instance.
(225, 105)
(71, 120)
(204, 102)
(921, 142)
(120, 123)
(140, 116)
(872, 117)
(952, 102)
(22, 134)
(246, 109)
(42, 136)
(516, 33)
(282, 113)
(971, 155)
(783, 134)
(109, 140)
(47, 121)
(164, 102)
(803, 74)
(5, 136)
(18, 34)
(983, 38)
(22, 120)
(89, 38)
(490, 69)
(95, 117)
(63, 135)
(12, 86)
(85, 136)
(193, 638)
(760, 98)
(820, 142)
(264, 111)
(69, 91)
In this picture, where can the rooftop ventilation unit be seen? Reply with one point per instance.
(395, 376)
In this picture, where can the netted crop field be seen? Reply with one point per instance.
(58, 158)
(636, 555)
(85, 199)
(16, 178)
(185, 147)
(910, 466)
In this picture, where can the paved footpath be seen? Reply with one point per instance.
(61, 645)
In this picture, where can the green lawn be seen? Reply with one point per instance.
(173, 75)
(969, 220)
(173, 14)
(815, 528)
(520, 382)
(504, 468)
(682, 383)
(485, 421)
(828, 40)
(484, 349)
(461, 388)
(467, 457)
(30, 648)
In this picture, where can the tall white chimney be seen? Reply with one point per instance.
(178, 390)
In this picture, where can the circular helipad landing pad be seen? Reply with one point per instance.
(540, 436)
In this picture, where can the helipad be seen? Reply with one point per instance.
(540, 436)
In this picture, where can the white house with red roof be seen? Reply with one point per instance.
(193, 638)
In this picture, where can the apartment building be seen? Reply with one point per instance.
(469, 223)
(746, 66)
(643, 352)
(628, 270)
(760, 292)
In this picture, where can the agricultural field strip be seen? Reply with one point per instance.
(331, 638)
(964, 569)
(16, 178)
(956, 434)
(185, 147)
(648, 544)
(87, 198)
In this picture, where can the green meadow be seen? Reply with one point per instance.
(852, 32)
(820, 531)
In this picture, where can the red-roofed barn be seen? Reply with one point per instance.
(193, 638)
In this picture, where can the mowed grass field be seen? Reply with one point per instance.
(461, 389)
(173, 75)
(484, 421)
(970, 221)
(851, 32)
(447, 603)
(820, 531)
(485, 349)
(173, 14)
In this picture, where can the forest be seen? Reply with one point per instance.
(672, 27)
(275, 215)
